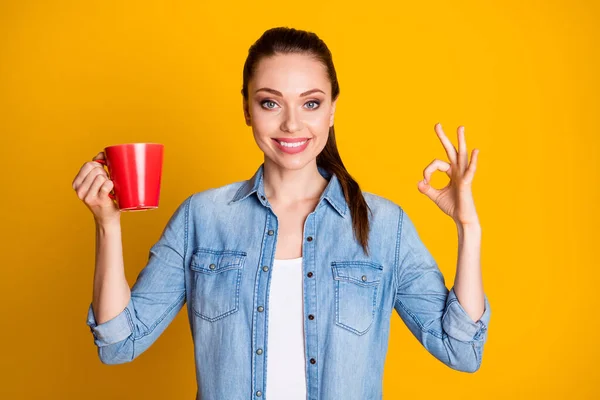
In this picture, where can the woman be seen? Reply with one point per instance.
(291, 276)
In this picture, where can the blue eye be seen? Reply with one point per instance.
(315, 102)
(267, 101)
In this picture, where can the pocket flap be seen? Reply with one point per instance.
(361, 272)
(214, 261)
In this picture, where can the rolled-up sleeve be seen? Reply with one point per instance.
(114, 330)
(432, 312)
(458, 324)
(156, 297)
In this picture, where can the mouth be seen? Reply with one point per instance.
(292, 146)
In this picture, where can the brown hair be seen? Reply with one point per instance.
(283, 40)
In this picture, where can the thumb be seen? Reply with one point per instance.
(99, 156)
(425, 188)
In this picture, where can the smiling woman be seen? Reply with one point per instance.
(287, 144)
(290, 276)
(287, 64)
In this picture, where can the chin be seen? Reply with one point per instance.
(296, 163)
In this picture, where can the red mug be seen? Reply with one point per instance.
(136, 171)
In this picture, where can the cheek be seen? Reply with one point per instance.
(318, 121)
(265, 120)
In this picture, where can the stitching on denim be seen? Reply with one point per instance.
(477, 358)
(233, 310)
(187, 221)
(337, 306)
(132, 336)
(221, 267)
(395, 272)
(446, 347)
(376, 269)
(255, 295)
(228, 312)
(318, 366)
(371, 264)
(130, 321)
(218, 252)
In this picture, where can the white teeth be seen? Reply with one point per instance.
(284, 144)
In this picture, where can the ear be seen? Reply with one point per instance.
(332, 111)
(246, 112)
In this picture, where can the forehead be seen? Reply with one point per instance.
(291, 74)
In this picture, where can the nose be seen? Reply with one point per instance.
(291, 122)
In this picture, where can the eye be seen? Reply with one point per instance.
(262, 103)
(315, 102)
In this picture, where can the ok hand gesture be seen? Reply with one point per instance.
(456, 198)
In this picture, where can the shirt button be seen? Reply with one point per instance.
(270, 232)
(212, 266)
(311, 317)
(312, 361)
(262, 197)
(364, 278)
(260, 309)
(309, 238)
(310, 274)
(266, 268)
(259, 352)
(258, 394)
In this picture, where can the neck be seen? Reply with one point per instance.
(288, 186)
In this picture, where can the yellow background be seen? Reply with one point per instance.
(522, 78)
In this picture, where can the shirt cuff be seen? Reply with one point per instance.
(458, 324)
(114, 330)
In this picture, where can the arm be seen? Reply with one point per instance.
(431, 312)
(126, 322)
(468, 283)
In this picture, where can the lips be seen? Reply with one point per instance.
(292, 149)
(290, 140)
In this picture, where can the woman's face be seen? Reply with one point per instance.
(289, 101)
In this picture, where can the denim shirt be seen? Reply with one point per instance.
(215, 255)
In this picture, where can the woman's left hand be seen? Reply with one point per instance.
(456, 198)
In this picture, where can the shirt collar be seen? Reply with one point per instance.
(333, 193)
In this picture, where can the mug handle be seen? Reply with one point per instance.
(103, 162)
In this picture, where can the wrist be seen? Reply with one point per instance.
(108, 224)
(474, 227)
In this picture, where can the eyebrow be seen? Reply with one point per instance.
(278, 93)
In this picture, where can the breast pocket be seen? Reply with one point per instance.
(216, 282)
(356, 288)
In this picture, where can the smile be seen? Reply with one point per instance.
(291, 147)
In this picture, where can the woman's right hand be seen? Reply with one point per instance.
(92, 185)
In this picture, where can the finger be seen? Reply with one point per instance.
(428, 190)
(463, 157)
(84, 187)
(86, 168)
(99, 156)
(106, 188)
(434, 166)
(470, 172)
(92, 194)
(448, 146)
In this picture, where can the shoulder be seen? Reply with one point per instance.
(215, 197)
(381, 206)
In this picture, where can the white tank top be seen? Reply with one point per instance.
(286, 361)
